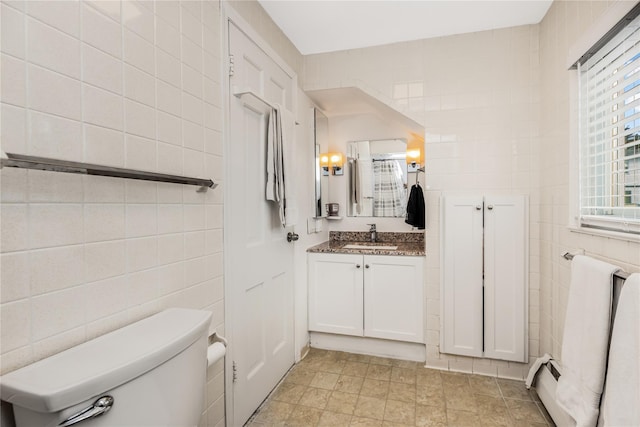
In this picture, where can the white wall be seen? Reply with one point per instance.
(478, 97)
(562, 27)
(136, 85)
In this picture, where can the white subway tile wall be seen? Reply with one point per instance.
(473, 92)
(122, 84)
(563, 25)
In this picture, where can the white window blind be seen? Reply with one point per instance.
(610, 134)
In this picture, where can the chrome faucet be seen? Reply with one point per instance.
(374, 233)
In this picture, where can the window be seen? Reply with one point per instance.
(609, 137)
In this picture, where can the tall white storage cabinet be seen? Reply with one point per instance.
(485, 276)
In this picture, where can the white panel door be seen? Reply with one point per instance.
(461, 281)
(259, 258)
(506, 267)
(335, 293)
(394, 298)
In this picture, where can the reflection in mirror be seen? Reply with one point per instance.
(377, 178)
(321, 144)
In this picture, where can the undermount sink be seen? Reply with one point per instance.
(370, 247)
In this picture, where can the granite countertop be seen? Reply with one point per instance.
(409, 244)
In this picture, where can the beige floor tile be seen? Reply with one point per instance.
(274, 412)
(370, 407)
(349, 384)
(356, 369)
(315, 398)
(344, 403)
(400, 412)
(408, 364)
(365, 422)
(431, 395)
(403, 375)
(522, 410)
(358, 358)
(525, 423)
(496, 417)
(402, 392)
(375, 360)
(379, 372)
(459, 398)
(431, 416)
(392, 424)
(300, 375)
(324, 380)
(454, 378)
(375, 388)
(486, 403)
(484, 385)
(333, 366)
(334, 419)
(462, 419)
(303, 416)
(514, 389)
(426, 376)
(289, 392)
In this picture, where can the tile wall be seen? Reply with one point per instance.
(563, 25)
(478, 97)
(127, 84)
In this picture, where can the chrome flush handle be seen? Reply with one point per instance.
(98, 408)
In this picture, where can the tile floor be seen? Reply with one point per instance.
(329, 388)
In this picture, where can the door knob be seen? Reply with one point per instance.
(292, 237)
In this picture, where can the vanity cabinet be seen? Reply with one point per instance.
(373, 296)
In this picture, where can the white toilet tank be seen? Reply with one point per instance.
(150, 373)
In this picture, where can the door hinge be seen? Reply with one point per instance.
(231, 66)
(235, 371)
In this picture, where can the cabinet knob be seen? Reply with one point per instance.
(490, 207)
(478, 207)
(366, 266)
(357, 265)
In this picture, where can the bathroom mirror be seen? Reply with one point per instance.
(321, 145)
(377, 171)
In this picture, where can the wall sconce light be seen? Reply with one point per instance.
(335, 161)
(415, 152)
(324, 163)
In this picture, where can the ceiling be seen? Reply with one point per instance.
(317, 26)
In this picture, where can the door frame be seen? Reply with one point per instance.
(229, 14)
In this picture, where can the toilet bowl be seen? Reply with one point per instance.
(150, 373)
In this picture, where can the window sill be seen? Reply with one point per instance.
(618, 235)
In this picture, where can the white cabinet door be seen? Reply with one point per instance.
(393, 298)
(461, 271)
(505, 278)
(335, 293)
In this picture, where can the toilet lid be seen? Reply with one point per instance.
(104, 363)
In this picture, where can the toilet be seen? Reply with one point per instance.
(150, 373)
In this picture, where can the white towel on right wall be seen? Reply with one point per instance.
(585, 339)
(621, 398)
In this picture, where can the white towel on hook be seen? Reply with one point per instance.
(585, 339)
(280, 176)
(621, 399)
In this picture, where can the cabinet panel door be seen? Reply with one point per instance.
(394, 298)
(506, 266)
(335, 293)
(461, 280)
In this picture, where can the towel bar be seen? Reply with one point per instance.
(55, 165)
(623, 275)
